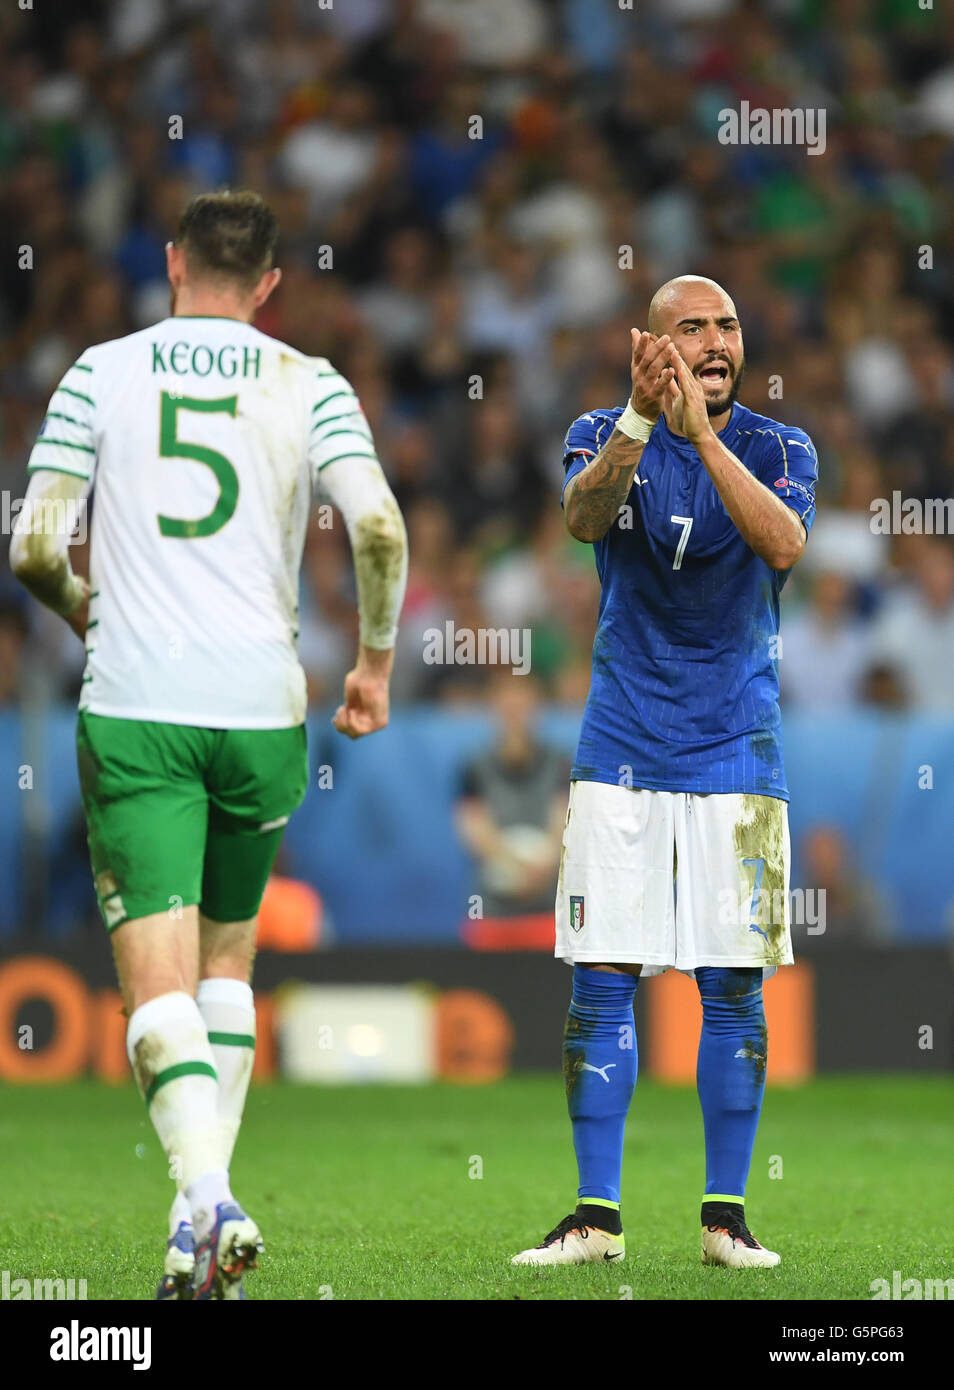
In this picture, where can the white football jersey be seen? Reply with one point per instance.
(203, 439)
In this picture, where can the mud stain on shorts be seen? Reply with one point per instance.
(760, 835)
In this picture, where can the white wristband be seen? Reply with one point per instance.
(635, 426)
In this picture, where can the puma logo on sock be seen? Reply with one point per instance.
(600, 1071)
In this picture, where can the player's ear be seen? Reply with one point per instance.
(175, 264)
(266, 285)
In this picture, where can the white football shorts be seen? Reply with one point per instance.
(673, 879)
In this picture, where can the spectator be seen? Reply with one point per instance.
(824, 648)
(510, 815)
(914, 634)
(334, 156)
(850, 910)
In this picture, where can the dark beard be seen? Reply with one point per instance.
(720, 407)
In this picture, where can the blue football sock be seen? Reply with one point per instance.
(730, 1074)
(599, 1068)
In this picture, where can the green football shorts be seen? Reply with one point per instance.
(179, 815)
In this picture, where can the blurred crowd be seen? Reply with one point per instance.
(477, 199)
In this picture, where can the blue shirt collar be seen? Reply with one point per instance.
(683, 445)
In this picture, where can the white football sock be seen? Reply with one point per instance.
(228, 1011)
(204, 1195)
(171, 1058)
(179, 1212)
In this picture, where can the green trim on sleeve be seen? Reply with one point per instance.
(67, 444)
(78, 394)
(331, 418)
(357, 433)
(57, 415)
(351, 454)
(51, 468)
(333, 397)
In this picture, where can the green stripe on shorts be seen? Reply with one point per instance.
(232, 1039)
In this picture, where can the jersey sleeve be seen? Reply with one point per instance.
(582, 443)
(67, 439)
(789, 466)
(337, 427)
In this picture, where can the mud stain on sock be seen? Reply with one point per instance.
(147, 1056)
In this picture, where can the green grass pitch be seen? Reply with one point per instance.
(368, 1193)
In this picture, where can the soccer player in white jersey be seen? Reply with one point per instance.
(204, 441)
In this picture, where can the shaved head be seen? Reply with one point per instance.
(700, 318)
(667, 301)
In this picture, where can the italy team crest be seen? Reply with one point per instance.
(576, 913)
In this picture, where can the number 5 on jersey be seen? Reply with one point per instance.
(171, 446)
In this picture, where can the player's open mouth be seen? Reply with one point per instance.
(714, 375)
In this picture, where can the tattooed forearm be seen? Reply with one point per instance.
(593, 498)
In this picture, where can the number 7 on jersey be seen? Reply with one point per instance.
(686, 523)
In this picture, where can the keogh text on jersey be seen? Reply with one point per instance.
(183, 358)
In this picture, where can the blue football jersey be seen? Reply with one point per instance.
(684, 688)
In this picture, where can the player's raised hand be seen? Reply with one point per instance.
(685, 403)
(366, 702)
(651, 372)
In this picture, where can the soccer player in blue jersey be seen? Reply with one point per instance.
(676, 848)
